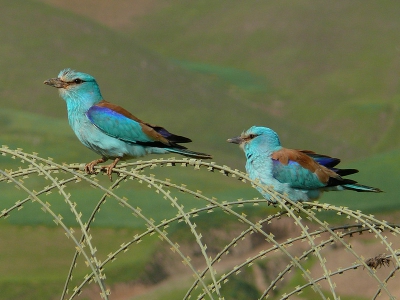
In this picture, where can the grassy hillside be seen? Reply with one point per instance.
(324, 75)
(205, 107)
(331, 66)
(48, 254)
(328, 68)
(379, 171)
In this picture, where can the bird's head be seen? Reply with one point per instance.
(257, 138)
(76, 86)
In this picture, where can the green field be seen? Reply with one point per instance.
(324, 75)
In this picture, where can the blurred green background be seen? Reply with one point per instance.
(323, 74)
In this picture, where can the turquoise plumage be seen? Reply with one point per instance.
(301, 174)
(108, 129)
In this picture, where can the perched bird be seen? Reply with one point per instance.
(301, 174)
(108, 129)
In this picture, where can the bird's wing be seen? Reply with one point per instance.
(300, 170)
(329, 162)
(117, 122)
(322, 159)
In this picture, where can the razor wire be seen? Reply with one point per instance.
(208, 277)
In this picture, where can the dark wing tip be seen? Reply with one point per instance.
(190, 153)
(344, 172)
(170, 136)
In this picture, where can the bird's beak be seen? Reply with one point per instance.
(55, 82)
(235, 140)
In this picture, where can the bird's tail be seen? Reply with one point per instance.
(189, 153)
(360, 188)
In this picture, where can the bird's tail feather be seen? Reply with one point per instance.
(361, 188)
(189, 153)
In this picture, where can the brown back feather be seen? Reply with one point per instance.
(323, 173)
(147, 128)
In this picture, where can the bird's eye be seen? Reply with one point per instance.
(252, 136)
(78, 81)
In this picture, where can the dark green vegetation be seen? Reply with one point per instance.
(324, 75)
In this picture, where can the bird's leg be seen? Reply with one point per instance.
(110, 167)
(89, 168)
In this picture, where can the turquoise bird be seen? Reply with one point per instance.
(108, 129)
(301, 174)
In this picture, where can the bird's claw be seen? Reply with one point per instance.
(108, 170)
(89, 168)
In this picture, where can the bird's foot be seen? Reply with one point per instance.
(110, 168)
(89, 168)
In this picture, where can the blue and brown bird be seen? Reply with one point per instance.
(108, 129)
(301, 174)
